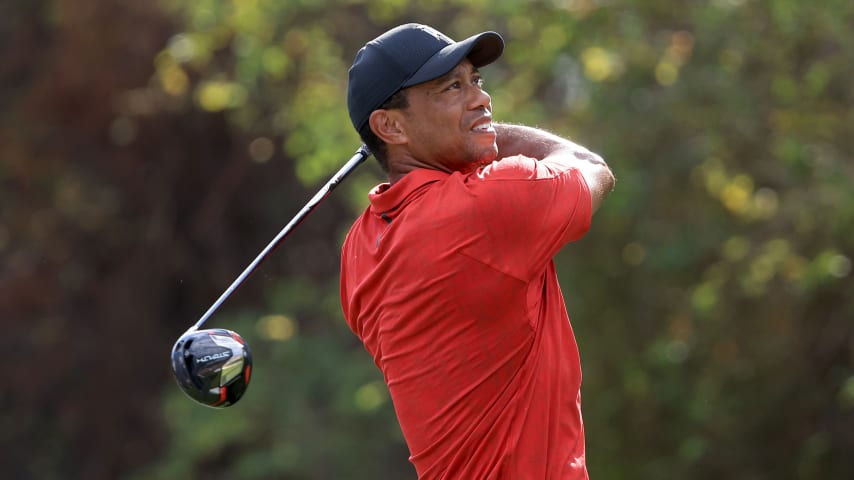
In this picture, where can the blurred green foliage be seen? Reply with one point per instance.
(711, 300)
(719, 262)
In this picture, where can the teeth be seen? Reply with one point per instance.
(484, 126)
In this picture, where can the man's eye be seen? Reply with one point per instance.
(454, 85)
(479, 82)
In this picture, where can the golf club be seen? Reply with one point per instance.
(213, 366)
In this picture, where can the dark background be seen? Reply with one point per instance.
(149, 150)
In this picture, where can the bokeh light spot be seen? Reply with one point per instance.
(738, 193)
(122, 131)
(839, 266)
(174, 81)
(261, 149)
(735, 248)
(846, 393)
(276, 327)
(598, 64)
(634, 253)
(370, 396)
(666, 73)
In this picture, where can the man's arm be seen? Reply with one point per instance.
(542, 145)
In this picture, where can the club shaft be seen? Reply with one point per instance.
(361, 154)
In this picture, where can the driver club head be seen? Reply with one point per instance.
(212, 366)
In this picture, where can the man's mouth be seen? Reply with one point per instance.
(484, 127)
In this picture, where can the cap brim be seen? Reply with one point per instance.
(481, 49)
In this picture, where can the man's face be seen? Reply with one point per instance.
(448, 123)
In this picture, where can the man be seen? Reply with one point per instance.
(448, 277)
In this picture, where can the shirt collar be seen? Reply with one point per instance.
(386, 197)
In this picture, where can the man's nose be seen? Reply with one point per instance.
(480, 99)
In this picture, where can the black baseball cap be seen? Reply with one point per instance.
(408, 55)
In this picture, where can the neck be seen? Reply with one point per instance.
(399, 166)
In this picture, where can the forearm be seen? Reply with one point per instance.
(542, 145)
(528, 141)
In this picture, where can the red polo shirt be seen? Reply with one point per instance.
(449, 282)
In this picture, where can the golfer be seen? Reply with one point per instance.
(448, 277)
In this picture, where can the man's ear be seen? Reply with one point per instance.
(386, 125)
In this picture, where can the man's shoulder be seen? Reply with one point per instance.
(508, 166)
(516, 167)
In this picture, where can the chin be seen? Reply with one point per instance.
(488, 156)
(475, 158)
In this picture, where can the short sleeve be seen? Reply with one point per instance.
(529, 210)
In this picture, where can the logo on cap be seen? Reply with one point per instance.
(434, 33)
